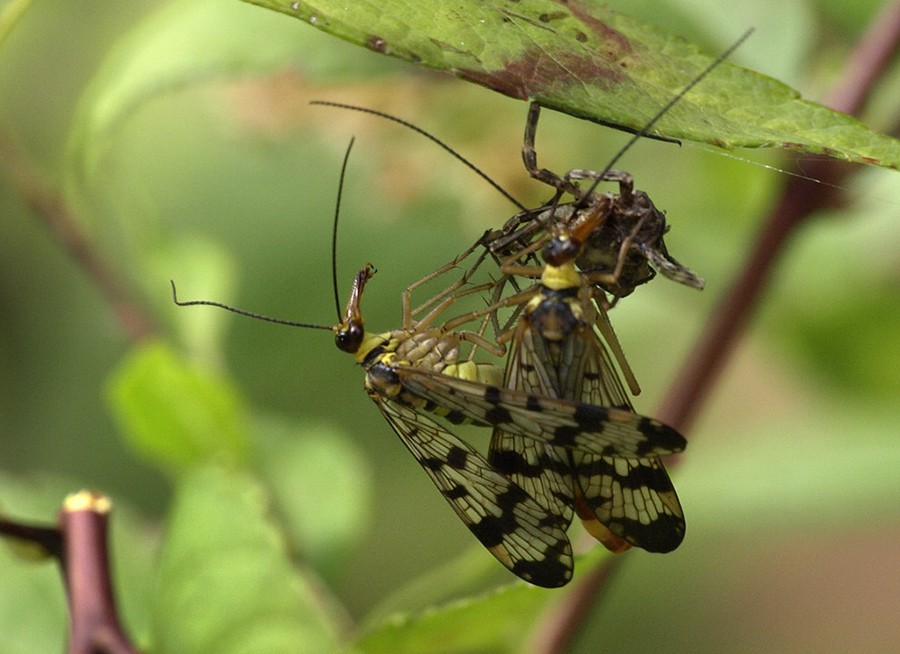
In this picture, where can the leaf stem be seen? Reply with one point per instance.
(94, 626)
(562, 622)
(79, 543)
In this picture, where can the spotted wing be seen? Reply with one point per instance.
(542, 470)
(632, 498)
(588, 428)
(566, 367)
(621, 502)
(517, 530)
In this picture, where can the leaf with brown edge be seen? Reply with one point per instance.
(586, 60)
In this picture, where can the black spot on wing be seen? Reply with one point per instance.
(497, 415)
(659, 436)
(457, 458)
(508, 500)
(662, 535)
(638, 476)
(547, 573)
(565, 436)
(512, 462)
(490, 530)
(455, 417)
(568, 436)
(492, 394)
(590, 417)
(457, 492)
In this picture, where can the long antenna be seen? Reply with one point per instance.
(334, 284)
(241, 312)
(432, 138)
(337, 213)
(643, 132)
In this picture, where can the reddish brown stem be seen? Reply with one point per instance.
(799, 200)
(63, 225)
(94, 627)
(561, 623)
(79, 543)
(47, 539)
(868, 61)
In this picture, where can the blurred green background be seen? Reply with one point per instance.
(218, 173)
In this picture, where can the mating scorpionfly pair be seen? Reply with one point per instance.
(566, 439)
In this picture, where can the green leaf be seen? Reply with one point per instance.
(322, 486)
(472, 571)
(498, 620)
(501, 620)
(10, 14)
(174, 413)
(225, 582)
(588, 61)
